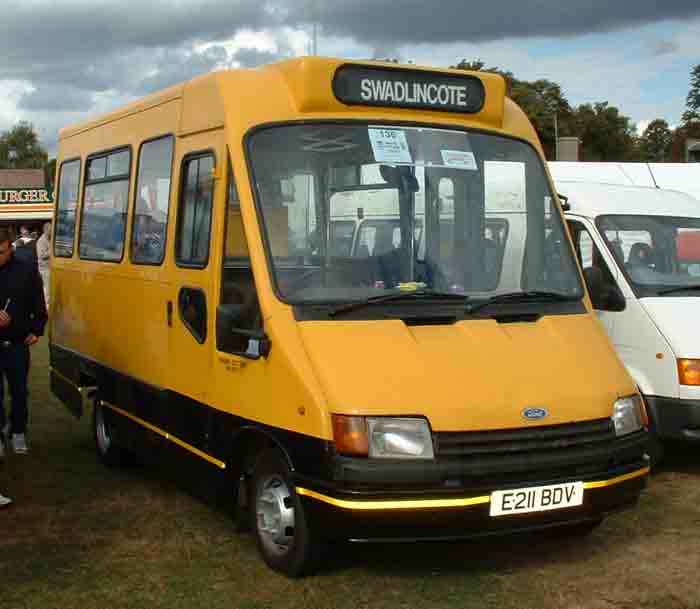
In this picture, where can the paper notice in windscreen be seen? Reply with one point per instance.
(389, 146)
(459, 159)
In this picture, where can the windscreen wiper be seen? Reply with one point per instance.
(526, 296)
(679, 288)
(396, 296)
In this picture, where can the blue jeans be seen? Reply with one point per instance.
(14, 366)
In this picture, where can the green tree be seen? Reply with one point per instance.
(20, 148)
(692, 102)
(655, 142)
(545, 105)
(678, 142)
(543, 101)
(606, 134)
(478, 66)
(50, 174)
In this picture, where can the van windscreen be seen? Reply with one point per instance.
(352, 211)
(658, 254)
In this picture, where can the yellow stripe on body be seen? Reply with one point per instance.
(400, 504)
(80, 389)
(413, 504)
(167, 436)
(623, 478)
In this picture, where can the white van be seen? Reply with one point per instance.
(639, 248)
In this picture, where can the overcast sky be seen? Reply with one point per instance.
(65, 60)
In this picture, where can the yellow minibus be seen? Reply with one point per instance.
(345, 287)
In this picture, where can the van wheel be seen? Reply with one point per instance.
(278, 520)
(107, 451)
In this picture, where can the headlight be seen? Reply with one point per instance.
(399, 438)
(628, 415)
(382, 437)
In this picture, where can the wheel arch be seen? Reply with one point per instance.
(248, 444)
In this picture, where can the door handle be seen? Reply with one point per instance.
(169, 311)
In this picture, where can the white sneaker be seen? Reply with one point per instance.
(4, 501)
(19, 444)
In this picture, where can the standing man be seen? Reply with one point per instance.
(43, 254)
(22, 321)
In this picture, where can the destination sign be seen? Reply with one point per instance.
(374, 86)
(25, 195)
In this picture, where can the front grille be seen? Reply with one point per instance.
(538, 452)
(528, 440)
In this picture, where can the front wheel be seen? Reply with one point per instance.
(281, 526)
(107, 451)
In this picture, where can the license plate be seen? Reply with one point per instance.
(536, 499)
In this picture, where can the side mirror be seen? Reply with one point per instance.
(615, 299)
(605, 296)
(232, 339)
(564, 200)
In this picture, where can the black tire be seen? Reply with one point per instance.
(102, 430)
(282, 528)
(655, 445)
(655, 448)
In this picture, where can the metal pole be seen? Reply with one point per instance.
(314, 38)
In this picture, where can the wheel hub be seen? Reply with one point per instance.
(275, 515)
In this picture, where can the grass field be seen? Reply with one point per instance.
(82, 536)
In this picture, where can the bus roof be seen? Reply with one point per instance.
(331, 88)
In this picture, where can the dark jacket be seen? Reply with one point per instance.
(26, 251)
(21, 291)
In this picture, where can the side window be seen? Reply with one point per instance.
(192, 304)
(103, 218)
(67, 204)
(195, 211)
(605, 295)
(152, 201)
(239, 318)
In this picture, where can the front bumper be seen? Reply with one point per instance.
(674, 418)
(431, 514)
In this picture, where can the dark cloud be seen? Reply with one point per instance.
(403, 22)
(171, 66)
(49, 31)
(80, 55)
(101, 44)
